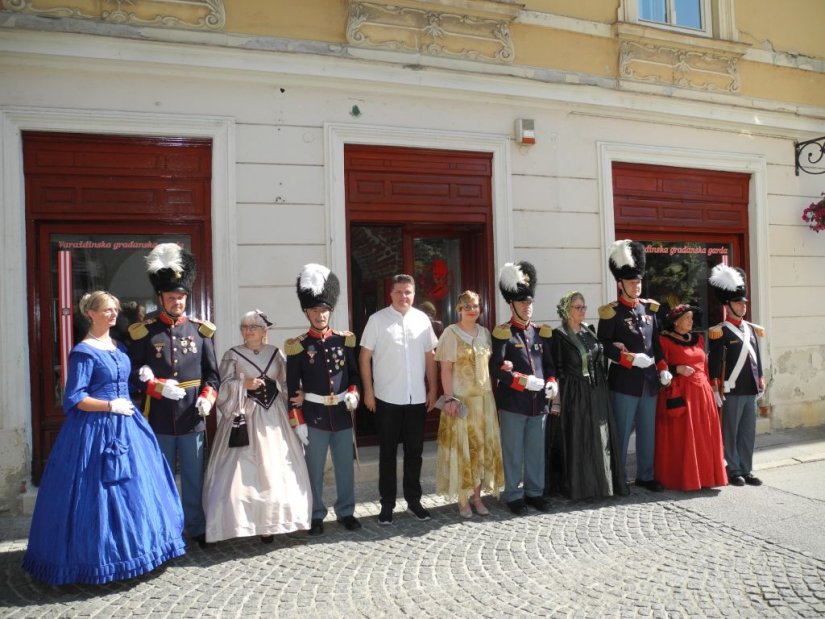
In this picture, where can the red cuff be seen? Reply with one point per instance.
(209, 394)
(519, 381)
(154, 388)
(626, 359)
(662, 365)
(296, 417)
(352, 389)
(550, 379)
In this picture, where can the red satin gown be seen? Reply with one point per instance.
(689, 453)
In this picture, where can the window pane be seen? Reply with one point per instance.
(677, 272)
(688, 13)
(438, 277)
(82, 263)
(653, 10)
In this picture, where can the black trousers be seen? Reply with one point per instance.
(399, 424)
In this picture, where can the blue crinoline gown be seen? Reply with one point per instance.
(87, 528)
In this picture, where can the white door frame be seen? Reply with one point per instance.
(15, 385)
(337, 135)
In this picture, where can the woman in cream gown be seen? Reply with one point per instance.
(262, 488)
(469, 447)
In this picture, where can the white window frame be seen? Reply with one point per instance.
(717, 19)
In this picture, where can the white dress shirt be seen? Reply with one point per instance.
(399, 344)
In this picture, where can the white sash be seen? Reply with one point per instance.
(745, 336)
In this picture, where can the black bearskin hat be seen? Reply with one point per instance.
(171, 268)
(729, 283)
(627, 260)
(317, 285)
(517, 281)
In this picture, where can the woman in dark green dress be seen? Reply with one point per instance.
(582, 456)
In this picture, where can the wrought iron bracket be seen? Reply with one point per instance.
(815, 152)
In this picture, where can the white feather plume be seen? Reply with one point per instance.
(165, 256)
(313, 278)
(725, 277)
(621, 255)
(510, 277)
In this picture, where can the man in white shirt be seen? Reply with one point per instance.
(397, 356)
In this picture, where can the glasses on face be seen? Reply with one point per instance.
(250, 327)
(579, 308)
(470, 307)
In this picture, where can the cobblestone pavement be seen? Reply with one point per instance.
(648, 555)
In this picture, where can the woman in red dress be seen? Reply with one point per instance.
(689, 453)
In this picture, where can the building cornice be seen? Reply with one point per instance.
(387, 71)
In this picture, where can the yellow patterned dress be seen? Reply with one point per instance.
(469, 449)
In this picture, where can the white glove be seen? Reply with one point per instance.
(641, 360)
(171, 390)
(551, 390)
(122, 406)
(534, 383)
(665, 377)
(718, 398)
(351, 400)
(145, 373)
(203, 405)
(303, 433)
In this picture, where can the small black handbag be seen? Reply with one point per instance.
(238, 433)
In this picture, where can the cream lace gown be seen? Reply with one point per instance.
(469, 449)
(263, 488)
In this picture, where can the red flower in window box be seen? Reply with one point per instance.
(814, 215)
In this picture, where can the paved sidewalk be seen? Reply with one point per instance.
(651, 555)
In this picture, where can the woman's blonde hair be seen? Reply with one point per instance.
(95, 300)
(466, 297)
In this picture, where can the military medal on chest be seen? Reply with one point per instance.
(184, 345)
(158, 349)
(311, 352)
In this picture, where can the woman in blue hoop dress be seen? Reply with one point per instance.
(107, 508)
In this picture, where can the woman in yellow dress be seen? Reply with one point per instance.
(469, 446)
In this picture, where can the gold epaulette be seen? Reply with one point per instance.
(758, 329)
(293, 345)
(205, 328)
(715, 332)
(654, 305)
(349, 338)
(606, 312)
(546, 331)
(138, 330)
(502, 332)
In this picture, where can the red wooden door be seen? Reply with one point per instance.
(689, 220)
(424, 212)
(95, 206)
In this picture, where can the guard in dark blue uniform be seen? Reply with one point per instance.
(522, 363)
(175, 374)
(629, 331)
(322, 364)
(735, 368)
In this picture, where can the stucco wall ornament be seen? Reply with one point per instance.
(197, 14)
(482, 36)
(686, 68)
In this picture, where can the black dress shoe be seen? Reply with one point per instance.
(537, 502)
(267, 539)
(201, 539)
(350, 523)
(751, 480)
(736, 480)
(650, 484)
(316, 527)
(517, 507)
